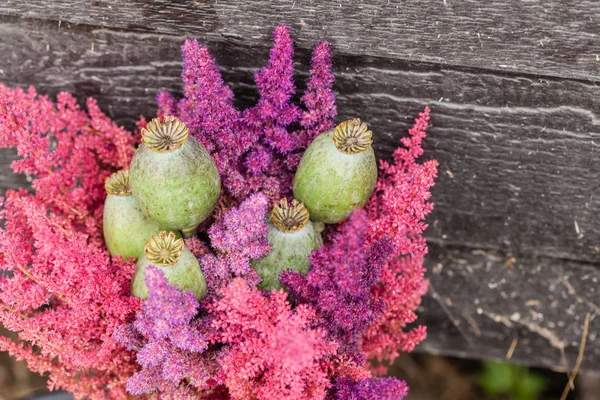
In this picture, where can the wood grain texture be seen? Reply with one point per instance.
(553, 37)
(480, 301)
(517, 171)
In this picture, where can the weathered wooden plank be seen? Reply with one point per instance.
(554, 37)
(515, 151)
(481, 301)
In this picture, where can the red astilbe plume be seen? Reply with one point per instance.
(59, 289)
(272, 351)
(69, 152)
(398, 208)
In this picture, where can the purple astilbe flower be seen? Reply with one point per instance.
(167, 104)
(274, 113)
(256, 150)
(319, 98)
(207, 108)
(167, 314)
(368, 389)
(339, 285)
(208, 111)
(239, 236)
(258, 160)
(171, 345)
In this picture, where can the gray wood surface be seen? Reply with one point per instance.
(514, 92)
(558, 38)
(483, 302)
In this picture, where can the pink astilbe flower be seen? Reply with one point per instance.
(398, 208)
(260, 347)
(273, 353)
(256, 150)
(61, 292)
(68, 151)
(238, 237)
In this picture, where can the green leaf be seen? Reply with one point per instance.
(529, 386)
(497, 378)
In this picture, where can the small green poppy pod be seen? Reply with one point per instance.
(126, 228)
(337, 172)
(292, 237)
(172, 176)
(179, 265)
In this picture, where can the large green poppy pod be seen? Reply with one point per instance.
(337, 173)
(292, 237)
(126, 228)
(179, 265)
(172, 176)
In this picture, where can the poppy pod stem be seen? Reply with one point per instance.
(189, 232)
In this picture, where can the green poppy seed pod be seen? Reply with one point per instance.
(172, 176)
(292, 237)
(126, 228)
(337, 173)
(179, 265)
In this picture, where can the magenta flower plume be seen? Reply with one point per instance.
(398, 209)
(275, 84)
(340, 284)
(207, 108)
(171, 346)
(256, 150)
(238, 237)
(167, 104)
(369, 389)
(319, 98)
(168, 313)
(62, 293)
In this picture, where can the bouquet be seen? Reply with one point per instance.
(225, 254)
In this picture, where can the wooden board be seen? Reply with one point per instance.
(558, 38)
(518, 176)
(483, 302)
